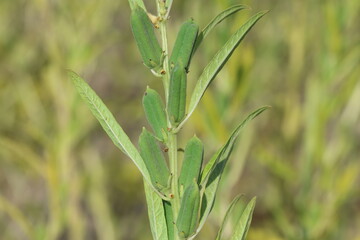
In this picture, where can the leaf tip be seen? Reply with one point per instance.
(70, 73)
(264, 12)
(244, 6)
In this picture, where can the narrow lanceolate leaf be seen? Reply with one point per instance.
(242, 226)
(184, 44)
(213, 170)
(109, 123)
(191, 165)
(177, 94)
(215, 21)
(154, 160)
(227, 215)
(156, 214)
(189, 210)
(155, 112)
(226, 149)
(219, 60)
(169, 219)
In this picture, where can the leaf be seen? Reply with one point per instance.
(218, 61)
(212, 172)
(227, 215)
(156, 214)
(215, 21)
(226, 149)
(242, 226)
(109, 123)
(210, 165)
(134, 3)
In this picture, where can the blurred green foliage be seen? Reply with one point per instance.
(61, 178)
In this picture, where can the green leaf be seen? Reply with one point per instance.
(242, 226)
(109, 123)
(212, 172)
(215, 21)
(227, 215)
(156, 213)
(210, 166)
(134, 3)
(218, 61)
(225, 151)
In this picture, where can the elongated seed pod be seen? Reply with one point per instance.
(155, 112)
(189, 210)
(184, 44)
(169, 219)
(191, 165)
(154, 160)
(177, 94)
(145, 38)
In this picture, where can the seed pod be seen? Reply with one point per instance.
(145, 38)
(177, 94)
(191, 165)
(169, 219)
(154, 160)
(155, 112)
(189, 210)
(184, 44)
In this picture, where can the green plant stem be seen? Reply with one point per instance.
(175, 202)
(166, 77)
(172, 137)
(162, 25)
(168, 5)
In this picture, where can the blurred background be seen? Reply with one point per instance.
(62, 178)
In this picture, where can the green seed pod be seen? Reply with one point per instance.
(191, 165)
(177, 94)
(169, 219)
(154, 160)
(189, 210)
(155, 112)
(145, 38)
(184, 44)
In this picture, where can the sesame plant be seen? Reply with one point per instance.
(179, 199)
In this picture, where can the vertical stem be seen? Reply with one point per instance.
(175, 202)
(162, 25)
(163, 10)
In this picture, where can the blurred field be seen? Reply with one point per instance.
(61, 177)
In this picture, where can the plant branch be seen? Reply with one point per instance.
(163, 11)
(162, 15)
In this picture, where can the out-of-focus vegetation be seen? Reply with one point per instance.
(61, 177)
